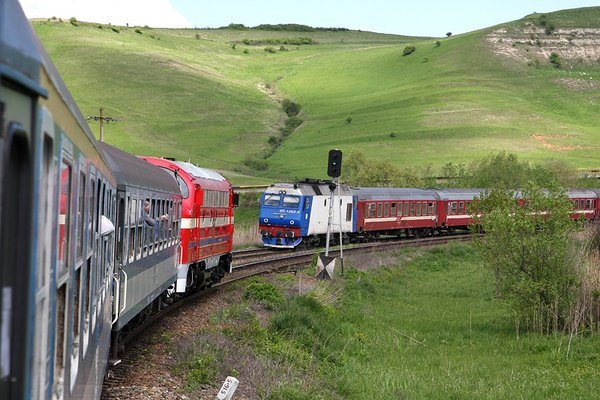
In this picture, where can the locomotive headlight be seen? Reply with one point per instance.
(292, 222)
(266, 220)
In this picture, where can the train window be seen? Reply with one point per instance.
(272, 200)
(412, 208)
(393, 210)
(431, 208)
(90, 224)
(454, 208)
(371, 210)
(132, 228)
(386, 210)
(64, 220)
(588, 204)
(406, 206)
(399, 209)
(419, 208)
(461, 208)
(86, 302)
(76, 312)
(80, 215)
(59, 349)
(582, 204)
(467, 207)
(291, 201)
(379, 210)
(349, 212)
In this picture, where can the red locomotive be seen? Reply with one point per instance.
(206, 223)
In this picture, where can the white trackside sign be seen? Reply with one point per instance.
(228, 388)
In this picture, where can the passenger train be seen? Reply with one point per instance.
(293, 215)
(92, 239)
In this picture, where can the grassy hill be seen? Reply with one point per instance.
(190, 94)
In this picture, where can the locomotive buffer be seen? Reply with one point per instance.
(325, 263)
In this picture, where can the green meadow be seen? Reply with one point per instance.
(190, 94)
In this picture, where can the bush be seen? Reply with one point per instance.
(527, 246)
(448, 34)
(282, 48)
(555, 60)
(197, 36)
(349, 120)
(138, 31)
(246, 51)
(550, 29)
(233, 46)
(115, 29)
(73, 21)
(438, 43)
(100, 26)
(246, 42)
(392, 134)
(270, 49)
(409, 50)
(202, 371)
(291, 108)
(256, 164)
(264, 293)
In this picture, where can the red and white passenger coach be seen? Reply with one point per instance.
(206, 223)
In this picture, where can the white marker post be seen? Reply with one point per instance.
(228, 388)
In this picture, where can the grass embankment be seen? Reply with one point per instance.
(191, 94)
(425, 327)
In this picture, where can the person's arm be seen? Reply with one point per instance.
(149, 220)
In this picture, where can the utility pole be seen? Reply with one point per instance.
(103, 120)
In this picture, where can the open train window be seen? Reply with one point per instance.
(348, 212)
(272, 200)
(64, 221)
(588, 204)
(379, 210)
(393, 210)
(431, 208)
(80, 215)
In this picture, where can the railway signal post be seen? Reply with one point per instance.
(326, 264)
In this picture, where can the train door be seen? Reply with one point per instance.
(17, 124)
(42, 355)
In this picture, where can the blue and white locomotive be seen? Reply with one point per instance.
(294, 214)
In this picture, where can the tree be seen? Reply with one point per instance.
(526, 244)
(448, 34)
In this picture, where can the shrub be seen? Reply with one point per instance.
(274, 141)
(246, 42)
(438, 43)
(233, 46)
(291, 108)
(448, 34)
(202, 371)
(409, 50)
(282, 48)
(555, 60)
(100, 26)
(256, 164)
(246, 51)
(527, 246)
(197, 36)
(264, 293)
(392, 134)
(270, 49)
(138, 31)
(146, 27)
(73, 21)
(550, 28)
(349, 120)
(115, 29)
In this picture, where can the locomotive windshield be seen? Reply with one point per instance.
(272, 199)
(291, 201)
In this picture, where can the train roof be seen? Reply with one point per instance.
(20, 56)
(199, 172)
(309, 188)
(135, 172)
(583, 193)
(370, 193)
(459, 193)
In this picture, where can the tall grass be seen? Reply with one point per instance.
(246, 235)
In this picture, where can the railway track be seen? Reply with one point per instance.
(252, 262)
